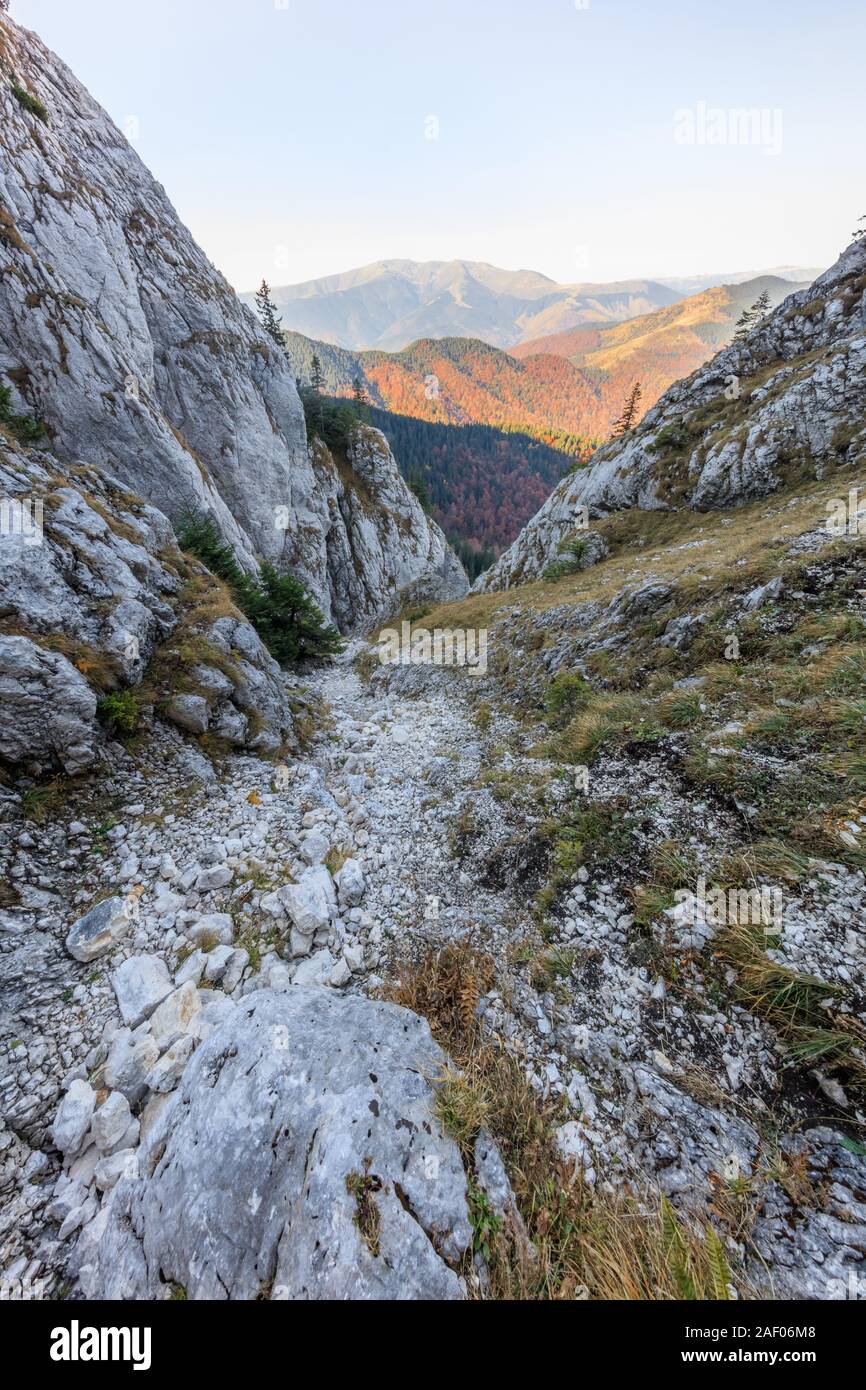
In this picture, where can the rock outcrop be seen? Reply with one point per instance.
(382, 550)
(789, 399)
(92, 589)
(299, 1158)
(121, 336)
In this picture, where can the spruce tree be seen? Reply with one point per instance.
(744, 324)
(317, 382)
(752, 316)
(359, 399)
(628, 418)
(317, 376)
(761, 306)
(271, 322)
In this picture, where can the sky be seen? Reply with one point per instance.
(591, 140)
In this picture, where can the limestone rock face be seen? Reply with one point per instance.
(48, 708)
(796, 398)
(299, 1158)
(126, 341)
(383, 551)
(91, 586)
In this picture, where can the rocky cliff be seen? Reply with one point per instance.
(121, 336)
(96, 599)
(786, 401)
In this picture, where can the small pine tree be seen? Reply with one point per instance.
(317, 385)
(752, 316)
(761, 306)
(288, 621)
(317, 376)
(271, 321)
(628, 418)
(744, 324)
(418, 484)
(280, 609)
(359, 400)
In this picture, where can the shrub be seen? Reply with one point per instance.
(573, 560)
(670, 437)
(119, 713)
(565, 695)
(24, 428)
(279, 607)
(30, 102)
(288, 621)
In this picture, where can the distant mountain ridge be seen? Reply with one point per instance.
(694, 284)
(797, 413)
(489, 432)
(655, 349)
(565, 389)
(391, 304)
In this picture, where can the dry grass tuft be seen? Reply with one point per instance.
(583, 1242)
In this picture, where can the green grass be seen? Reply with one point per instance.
(29, 102)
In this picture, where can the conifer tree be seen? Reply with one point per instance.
(359, 399)
(317, 376)
(271, 322)
(628, 418)
(744, 324)
(752, 316)
(761, 306)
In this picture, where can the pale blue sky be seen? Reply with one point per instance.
(292, 139)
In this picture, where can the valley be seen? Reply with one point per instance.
(334, 971)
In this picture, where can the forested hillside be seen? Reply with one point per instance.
(482, 484)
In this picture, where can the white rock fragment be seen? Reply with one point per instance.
(140, 984)
(72, 1123)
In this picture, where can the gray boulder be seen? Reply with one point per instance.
(351, 885)
(128, 1064)
(299, 1158)
(48, 709)
(96, 932)
(140, 984)
(190, 712)
(311, 902)
(72, 1123)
